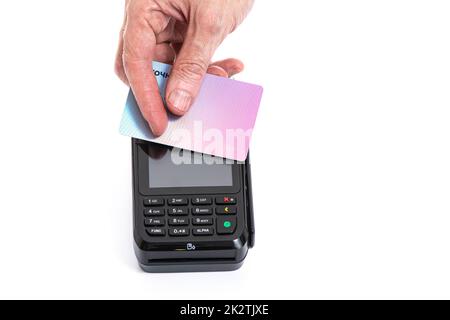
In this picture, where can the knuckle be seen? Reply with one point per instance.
(158, 21)
(191, 70)
(211, 22)
(137, 9)
(139, 13)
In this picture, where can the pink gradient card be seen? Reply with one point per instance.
(219, 123)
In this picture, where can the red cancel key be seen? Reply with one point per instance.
(226, 200)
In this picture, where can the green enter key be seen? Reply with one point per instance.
(226, 225)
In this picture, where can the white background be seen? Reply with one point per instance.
(351, 158)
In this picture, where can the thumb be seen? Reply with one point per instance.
(188, 71)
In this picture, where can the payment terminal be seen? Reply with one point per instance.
(190, 214)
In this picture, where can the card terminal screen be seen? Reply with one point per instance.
(169, 171)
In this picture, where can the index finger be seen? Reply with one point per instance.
(138, 52)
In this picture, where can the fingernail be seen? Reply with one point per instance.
(180, 100)
(217, 71)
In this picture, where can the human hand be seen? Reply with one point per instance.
(183, 32)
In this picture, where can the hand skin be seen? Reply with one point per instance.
(184, 33)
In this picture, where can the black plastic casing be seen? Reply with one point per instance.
(212, 253)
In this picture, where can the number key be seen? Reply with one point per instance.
(178, 211)
(154, 222)
(198, 211)
(178, 222)
(202, 221)
(201, 201)
(153, 212)
(179, 232)
(153, 202)
(178, 201)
